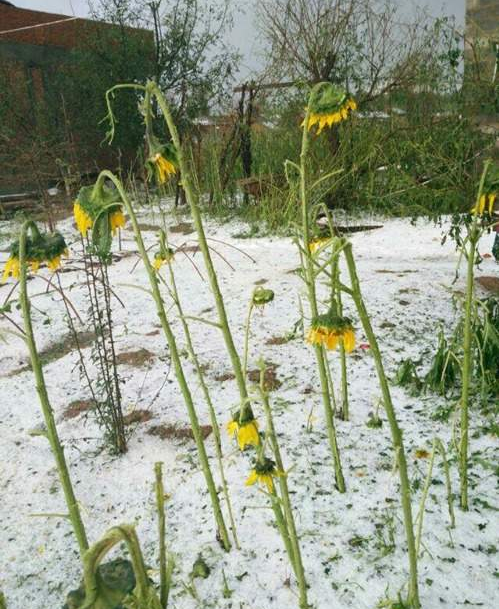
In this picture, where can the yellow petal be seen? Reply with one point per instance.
(492, 199)
(82, 219)
(54, 263)
(34, 265)
(332, 340)
(266, 479)
(252, 478)
(12, 269)
(247, 435)
(349, 340)
(232, 427)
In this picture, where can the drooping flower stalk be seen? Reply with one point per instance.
(175, 355)
(74, 514)
(310, 280)
(396, 433)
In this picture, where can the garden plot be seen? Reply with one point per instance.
(352, 544)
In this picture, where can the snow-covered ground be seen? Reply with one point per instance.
(407, 280)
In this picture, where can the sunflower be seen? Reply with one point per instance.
(486, 203)
(164, 167)
(328, 119)
(244, 428)
(330, 329)
(83, 221)
(40, 247)
(328, 106)
(116, 220)
(264, 473)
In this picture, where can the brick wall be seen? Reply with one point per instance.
(66, 35)
(30, 59)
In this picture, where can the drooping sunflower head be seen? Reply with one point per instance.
(162, 161)
(41, 248)
(163, 257)
(330, 330)
(165, 254)
(244, 427)
(55, 249)
(328, 105)
(99, 209)
(262, 296)
(490, 193)
(263, 473)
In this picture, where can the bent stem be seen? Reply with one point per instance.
(312, 298)
(41, 388)
(396, 433)
(174, 353)
(295, 555)
(95, 589)
(192, 199)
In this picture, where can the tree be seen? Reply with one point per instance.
(364, 45)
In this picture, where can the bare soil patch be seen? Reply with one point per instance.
(276, 340)
(166, 431)
(136, 359)
(184, 228)
(489, 283)
(76, 408)
(138, 416)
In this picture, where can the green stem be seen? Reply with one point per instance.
(468, 315)
(41, 388)
(164, 588)
(398, 445)
(312, 297)
(174, 353)
(295, 557)
(336, 295)
(246, 339)
(474, 236)
(209, 402)
(345, 409)
(424, 496)
(448, 486)
(192, 199)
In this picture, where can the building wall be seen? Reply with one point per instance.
(29, 62)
